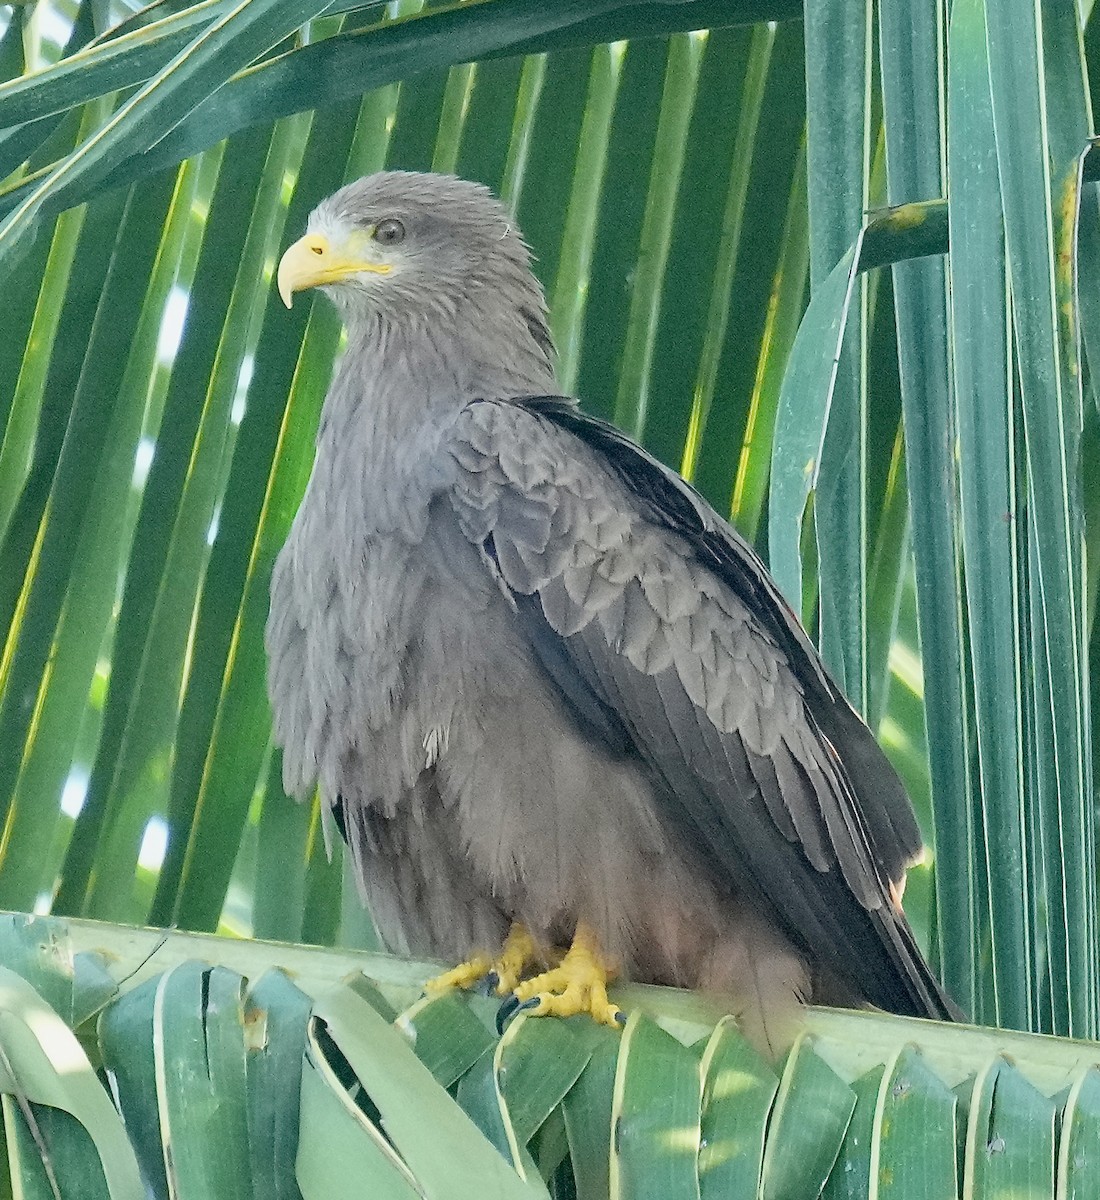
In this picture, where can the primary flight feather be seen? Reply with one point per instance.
(539, 680)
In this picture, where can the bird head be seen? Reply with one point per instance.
(411, 246)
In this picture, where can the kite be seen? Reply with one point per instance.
(562, 715)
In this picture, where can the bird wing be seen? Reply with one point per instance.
(667, 639)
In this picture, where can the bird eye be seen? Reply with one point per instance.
(389, 232)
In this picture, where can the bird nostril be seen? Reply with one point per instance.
(317, 249)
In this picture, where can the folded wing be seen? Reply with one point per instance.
(667, 639)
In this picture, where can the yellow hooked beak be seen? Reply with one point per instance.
(314, 260)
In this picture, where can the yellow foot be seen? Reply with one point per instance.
(465, 975)
(518, 952)
(578, 985)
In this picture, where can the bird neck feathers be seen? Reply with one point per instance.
(398, 389)
(399, 377)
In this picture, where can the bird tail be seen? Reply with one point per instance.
(929, 998)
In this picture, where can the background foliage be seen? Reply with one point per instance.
(918, 464)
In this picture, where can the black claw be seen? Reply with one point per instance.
(509, 1007)
(512, 1005)
(621, 1018)
(492, 981)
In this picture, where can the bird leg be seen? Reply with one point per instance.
(577, 985)
(519, 951)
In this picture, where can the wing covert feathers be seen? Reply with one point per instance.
(665, 635)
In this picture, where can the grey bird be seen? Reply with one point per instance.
(542, 685)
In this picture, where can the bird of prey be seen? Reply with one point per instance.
(554, 701)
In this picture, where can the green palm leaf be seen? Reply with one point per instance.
(398, 1100)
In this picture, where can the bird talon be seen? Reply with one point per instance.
(500, 975)
(513, 1005)
(578, 985)
(518, 952)
(508, 1009)
(465, 976)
